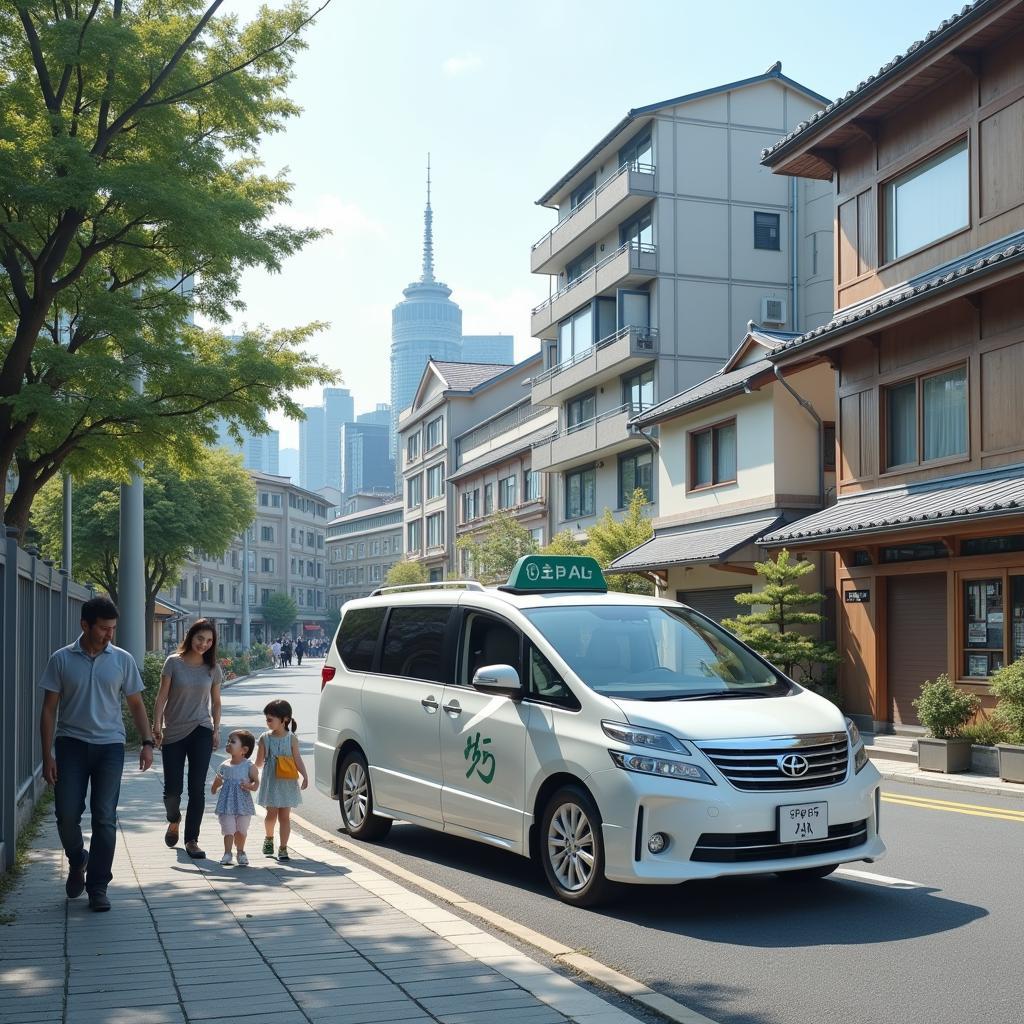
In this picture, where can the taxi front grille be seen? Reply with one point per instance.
(745, 847)
(769, 766)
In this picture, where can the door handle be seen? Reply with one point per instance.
(430, 704)
(454, 708)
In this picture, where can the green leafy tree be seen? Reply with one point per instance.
(333, 618)
(610, 538)
(772, 632)
(405, 573)
(131, 198)
(495, 550)
(279, 612)
(563, 543)
(202, 510)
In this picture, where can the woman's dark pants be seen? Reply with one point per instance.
(197, 749)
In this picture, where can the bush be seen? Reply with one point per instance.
(151, 667)
(260, 656)
(944, 710)
(985, 734)
(1007, 686)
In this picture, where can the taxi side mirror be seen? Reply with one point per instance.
(499, 679)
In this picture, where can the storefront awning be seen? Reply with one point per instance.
(691, 546)
(164, 609)
(933, 503)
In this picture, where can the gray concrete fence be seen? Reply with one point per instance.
(39, 612)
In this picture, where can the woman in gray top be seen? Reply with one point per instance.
(186, 725)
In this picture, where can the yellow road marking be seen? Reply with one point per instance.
(928, 804)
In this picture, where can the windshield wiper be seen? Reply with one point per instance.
(707, 695)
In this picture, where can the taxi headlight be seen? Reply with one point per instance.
(860, 758)
(647, 764)
(860, 754)
(851, 728)
(639, 737)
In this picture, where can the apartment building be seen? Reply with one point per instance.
(362, 545)
(207, 588)
(670, 238)
(925, 162)
(740, 454)
(452, 399)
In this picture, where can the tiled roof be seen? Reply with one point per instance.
(506, 451)
(974, 496)
(898, 63)
(715, 387)
(1008, 249)
(466, 376)
(688, 546)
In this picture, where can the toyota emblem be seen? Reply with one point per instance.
(793, 765)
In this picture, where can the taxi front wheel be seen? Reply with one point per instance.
(572, 848)
(355, 797)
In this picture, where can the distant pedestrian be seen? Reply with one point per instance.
(282, 766)
(286, 652)
(186, 724)
(237, 779)
(300, 649)
(275, 649)
(84, 684)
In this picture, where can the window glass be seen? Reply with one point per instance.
(944, 414)
(635, 470)
(544, 684)
(413, 643)
(606, 318)
(580, 410)
(580, 265)
(767, 231)
(486, 641)
(702, 475)
(507, 492)
(927, 202)
(488, 499)
(414, 486)
(638, 230)
(638, 153)
(638, 390)
(725, 452)
(634, 309)
(983, 627)
(357, 637)
(580, 493)
(435, 481)
(582, 192)
(901, 424)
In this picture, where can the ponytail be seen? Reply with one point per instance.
(295, 725)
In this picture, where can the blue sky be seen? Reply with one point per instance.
(506, 97)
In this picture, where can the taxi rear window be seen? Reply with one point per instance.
(357, 637)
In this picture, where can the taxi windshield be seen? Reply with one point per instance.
(649, 652)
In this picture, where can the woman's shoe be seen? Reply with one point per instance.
(243, 860)
(282, 854)
(193, 850)
(171, 835)
(226, 859)
(268, 847)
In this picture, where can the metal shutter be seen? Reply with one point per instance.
(715, 603)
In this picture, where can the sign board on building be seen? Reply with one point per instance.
(857, 596)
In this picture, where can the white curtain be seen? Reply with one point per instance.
(945, 414)
(901, 416)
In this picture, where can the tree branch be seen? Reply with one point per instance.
(42, 72)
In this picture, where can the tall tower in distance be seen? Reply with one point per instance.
(425, 324)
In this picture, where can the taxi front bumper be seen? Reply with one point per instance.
(714, 831)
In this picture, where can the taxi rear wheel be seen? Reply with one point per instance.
(807, 874)
(355, 798)
(572, 849)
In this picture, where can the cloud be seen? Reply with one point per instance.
(345, 219)
(455, 66)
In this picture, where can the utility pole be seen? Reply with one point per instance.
(66, 553)
(245, 589)
(131, 565)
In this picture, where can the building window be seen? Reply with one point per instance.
(265, 595)
(435, 530)
(638, 390)
(415, 537)
(828, 447)
(538, 536)
(927, 202)
(266, 565)
(713, 455)
(412, 447)
(267, 533)
(984, 629)
(926, 418)
(636, 469)
(435, 432)
(414, 491)
(637, 231)
(580, 493)
(576, 333)
(580, 410)
(638, 153)
(470, 505)
(435, 481)
(488, 499)
(533, 485)
(767, 231)
(275, 501)
(375, 546)
(507, 492)
(582, 192)
(579, 266)
(264, 499)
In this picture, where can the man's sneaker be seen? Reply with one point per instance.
(282, 854)
(243, 860)
(98, 901)
(226, 859)
(75, 885)
(268, 847)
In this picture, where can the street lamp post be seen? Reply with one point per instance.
(245, 589)
(131, 564)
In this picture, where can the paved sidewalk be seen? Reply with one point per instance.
(321, 938)
(970, 782)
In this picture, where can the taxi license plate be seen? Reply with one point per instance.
(801, 823)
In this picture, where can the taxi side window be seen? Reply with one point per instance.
(544, 684)
(357, 638)
(414, 643)
(486, 641)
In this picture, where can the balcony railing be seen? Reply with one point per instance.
(499, 425)
(631, 408)
(592, 198)
(646, 341)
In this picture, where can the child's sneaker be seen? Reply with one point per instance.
(243, 860)
(282, 854)
(268, 847)
(226, 859)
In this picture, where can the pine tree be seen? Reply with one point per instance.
(771, 632)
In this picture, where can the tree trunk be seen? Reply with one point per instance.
(150, 619)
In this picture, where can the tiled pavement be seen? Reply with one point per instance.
(320, 938)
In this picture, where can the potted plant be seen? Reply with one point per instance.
(944, 710)
(1007, 686)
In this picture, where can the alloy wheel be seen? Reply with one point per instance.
(571, 847)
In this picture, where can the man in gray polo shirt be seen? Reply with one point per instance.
(84, 684)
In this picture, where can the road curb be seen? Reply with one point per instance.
(593, 970)
(938, 781)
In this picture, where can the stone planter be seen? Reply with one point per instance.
(946, 756)
(1011, 762)
(984, 760)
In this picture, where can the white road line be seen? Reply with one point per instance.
(869, 876)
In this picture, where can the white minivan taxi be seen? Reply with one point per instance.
(613, 737)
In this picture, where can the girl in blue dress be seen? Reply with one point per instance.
(278, 756)
(236, 781)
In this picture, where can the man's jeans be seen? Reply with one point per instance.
(197, 749)
(95, 767)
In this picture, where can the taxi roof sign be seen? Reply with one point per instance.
(543, 573)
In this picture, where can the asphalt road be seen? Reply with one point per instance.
(944, 948)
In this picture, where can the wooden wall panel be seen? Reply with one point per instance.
(858, 641)
(859, 362)
(850, 437)
(1002, 386)
(951, 327)
(917, 123)
(1002, 309)
(848, 240)
(859, 166)
(1002, 159)
(1002, 68)
(867, 247)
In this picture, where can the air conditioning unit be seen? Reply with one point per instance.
(773, 311)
